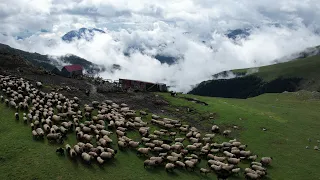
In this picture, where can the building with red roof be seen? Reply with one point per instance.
(72, 70)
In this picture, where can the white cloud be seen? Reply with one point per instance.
(172, 27)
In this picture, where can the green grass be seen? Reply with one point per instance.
(290, 119)
(21, 157)
(305, 68)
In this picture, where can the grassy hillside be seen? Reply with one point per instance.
(21, 157)
(306, 68)
(300, 74)
(290, 119)
(47, 63)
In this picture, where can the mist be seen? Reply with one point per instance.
(193, 30)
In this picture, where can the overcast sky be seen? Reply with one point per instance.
(279, 28)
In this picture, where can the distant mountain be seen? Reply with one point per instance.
(82, 33)
(238, 33)
(300, 73)
(50, 62)
(311, 51)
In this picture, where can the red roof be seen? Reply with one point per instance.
(75, 67)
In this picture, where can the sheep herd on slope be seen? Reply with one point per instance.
(174, 145)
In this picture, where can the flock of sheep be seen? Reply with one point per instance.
(174, 145)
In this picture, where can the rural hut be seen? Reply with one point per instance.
(136, 85)
(72, 70)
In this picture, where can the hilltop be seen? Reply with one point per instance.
(295, 75)
(48, 62)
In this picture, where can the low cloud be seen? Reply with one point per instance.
(192, 30)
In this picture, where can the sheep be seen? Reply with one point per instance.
(180, 156)
(68, 148)
(158, 149)
(191, 148)
(256, 163)
(144, 139)
(150, 163)
(251, 176)
(166, 147)
(172, 134)
(249, 170)
(151, 145)
(134, 144)
(105, 132)
(86, 129)
(253, 158)
(190, 164)
(245, 153)
(217, 158)
(180, 164)
(204, 170)
(56, 118)
(144, 151)
(77, 149)
(40, 132)
(158, 159)
(87, 137)
(56, 136)
(215, 167)
(172, 158)
(169, 166)
(179, 139)
(234, 161)
(86, 157)
(143, 113)
(120, 133)
(261, 173)
(34, 134)
(256, 167)
(100, 160)
(215, 129)
(106, 155)
(25, 119)
(226, 132)
(16, 116)
(122, 144)
(155, 117)
(228, 154)
(243, 147)
(235, 170)
(266, 161)
(39, 84)
(157, 142)
(227, 167)
(72, 153)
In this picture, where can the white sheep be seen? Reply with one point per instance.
(252, 176)
(86, 157)
(204, 170)
(266, 161)
(169, 167)
(150, 163)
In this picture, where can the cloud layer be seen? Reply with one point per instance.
(193, 30)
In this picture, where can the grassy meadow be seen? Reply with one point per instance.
(289, 119)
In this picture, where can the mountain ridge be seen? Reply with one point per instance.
(298, 74)
(50, 62)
